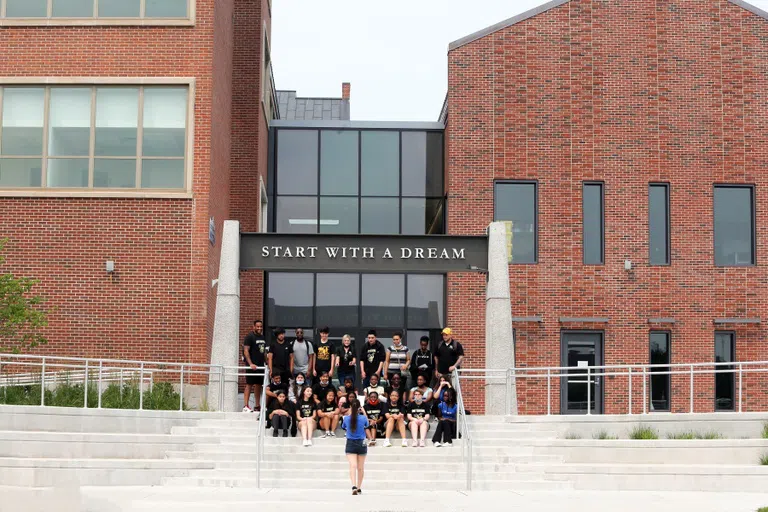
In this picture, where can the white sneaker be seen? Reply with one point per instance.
(247, 409)
(415, 444)
(304, 443)
(387, 444)
(448, 444)
(404, 444)
(437, 445)
(309, 443)
(421, 443)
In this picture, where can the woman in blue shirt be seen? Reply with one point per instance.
(355, 425)
(446, 427)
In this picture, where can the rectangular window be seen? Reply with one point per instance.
(593, 243)
(658, 224)
(734, 225)
(516, 204)
(102, 137)
(725, 380)
(659, 381)
(100, 9)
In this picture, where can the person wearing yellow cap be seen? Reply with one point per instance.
(448, 355)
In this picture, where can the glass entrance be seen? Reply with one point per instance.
(581, 350)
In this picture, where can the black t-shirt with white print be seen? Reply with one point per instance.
(306, 408)
(418, 410)
(374, 411)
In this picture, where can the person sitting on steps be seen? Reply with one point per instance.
(374, 409)
(395, 418)
(418, 419)
(306, 412)
(445, 432)
(280, 414)
(328, 413)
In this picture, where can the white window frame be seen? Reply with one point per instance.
(263, 207)
(95, 20)
(42, 191)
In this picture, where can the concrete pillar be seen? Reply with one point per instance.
(225, 350)
(500, 398)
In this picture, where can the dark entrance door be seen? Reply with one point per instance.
(580, 350)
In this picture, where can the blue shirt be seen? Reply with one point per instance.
(358, 434)
(448, 413)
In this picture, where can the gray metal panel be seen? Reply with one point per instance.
(385, 125)
(661, 320)
(583, 320)
(737, 321)
(751, 8)
(506, 23)
(372, 253)
(522, 319)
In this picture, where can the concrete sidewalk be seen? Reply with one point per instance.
(178, 499)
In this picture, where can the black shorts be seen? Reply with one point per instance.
(254, 376)
(356, 447)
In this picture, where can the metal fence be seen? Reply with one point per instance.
(462, 429)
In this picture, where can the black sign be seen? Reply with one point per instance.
(363, 253)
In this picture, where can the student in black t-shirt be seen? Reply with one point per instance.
(418, 419)
(280, 414)
(306, 412)
(448, 355)
(345, 360)
(372, 355)
(345, 403)
(422, 361)
(328, 414)
(325, 358)
(276, 385)
(280, 357)
(396, 384)
(374, 409)
(395, 416)
(321, 388)
(254, 353)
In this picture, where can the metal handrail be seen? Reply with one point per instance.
(262, 427)
(462, 429)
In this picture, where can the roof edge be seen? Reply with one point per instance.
(751, 8)
(507, 23)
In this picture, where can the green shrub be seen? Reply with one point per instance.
(643, 432)
(712, 434)
(765, 431)
(764, 460)
(763, 509)
(572, 436)
(603, 435)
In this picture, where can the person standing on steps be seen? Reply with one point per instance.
(422, 362)
(448, 355)
(398, 358)
(355, 425)
(254, 355)
(280, 357)
(303, 356)
(325, 358)
(345, 360)
(372, 355)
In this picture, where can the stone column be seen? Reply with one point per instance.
(499, 337)
(226, 328)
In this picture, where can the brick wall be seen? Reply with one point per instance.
(627, 93)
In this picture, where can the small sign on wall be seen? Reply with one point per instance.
(583, 364)
(212, 231)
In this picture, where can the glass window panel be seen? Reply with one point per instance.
(338, 162)
(338, 215)
(70, 122)
(380, 216)
(166, 9)
(659, 383)
(297, 162)
(117, 121)
(422, 164)
(425, 301)
(21, 172)
(23, 121)
(72, 8)
(26, 9)
(593, 226)
(165, 121)
(162, 174)
(422, 216)
(67, 172)
(734, 229)
(725, 383)
(296, 214)
(111, 173)
(119, 8)
(658, 224)
(383, 300)
(338, 298)
(515, 205)
(290, 300)
(380, 163)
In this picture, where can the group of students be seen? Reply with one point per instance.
(295, 405)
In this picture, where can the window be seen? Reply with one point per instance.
(593, 243)
(660, 383)
(266, 73)
(422, 164)
(296, 214)
(290, 299)
(264, 210)
(380, 163)
(734, 225)
(102, 9)
(425, 310)
(384, 300)
(297, 162)
(338, 296)
(338, 162)
(92, 137)
(380, 216)
(658, 224)
(515, 203)
(725, 383)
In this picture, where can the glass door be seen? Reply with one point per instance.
(581, 350)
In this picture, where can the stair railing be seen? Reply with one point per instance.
(262, 426)
(462, 428)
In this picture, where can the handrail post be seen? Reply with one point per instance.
(101, 368)
(589, 391)
(549, 392)
(507, 394)
(645, 390)
(141, 386)
(85, 386)
(221, 387)
(630, 391)
(691, 391)
(181, 390)
(741, 379)
(42, 384)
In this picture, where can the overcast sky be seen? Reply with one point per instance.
(393, 52)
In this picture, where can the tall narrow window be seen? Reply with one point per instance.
(725, 383)
(734, 225)
(593, 243)
(660, 387)
(515, 203)
(658, 224)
